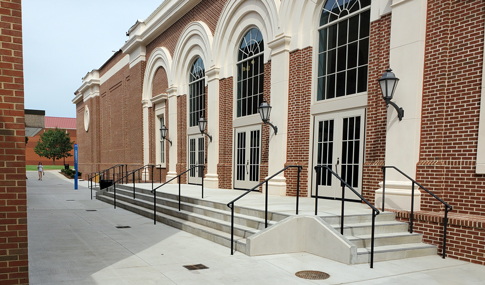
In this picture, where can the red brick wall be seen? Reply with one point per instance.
(224, 167)
(182, 136)
(263, 168)
(207, 11)
(31, 158)
(451, 105)
(13, 193)
(160, 82)
(376, 113)
(299, 120)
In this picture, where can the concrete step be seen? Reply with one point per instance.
(199, 201)
(366, 228)
(363, 241)
(392, 252)
(220, 225)
(355, 219)
(201, 208)
(205, 232)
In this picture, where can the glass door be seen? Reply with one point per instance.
(196, 157)
(247, 157)
(338, 144)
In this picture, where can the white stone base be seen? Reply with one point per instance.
(276, 186)
(398, 196)
(171, 175)
(211, 181)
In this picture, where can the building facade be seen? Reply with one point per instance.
(317, 64)
(66, 124)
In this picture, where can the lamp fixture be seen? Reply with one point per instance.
(202, 126)
(388, 83)
(163, 133)
(265, 111)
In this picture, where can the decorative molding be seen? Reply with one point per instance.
(212, 74)
(117, 67)
(159, 98)
(280, 44)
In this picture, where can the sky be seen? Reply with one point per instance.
(63, 40)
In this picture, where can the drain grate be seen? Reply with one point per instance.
(196, 267)
(312, 275)
(91, 210)
(123, 227)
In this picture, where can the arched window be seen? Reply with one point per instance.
(250, 73)
(343, 52)
(196, 92)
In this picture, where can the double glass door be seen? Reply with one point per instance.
(338, 143)
(247, 157)
(196, 157)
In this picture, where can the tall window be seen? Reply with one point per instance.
(250, 73)
(196, 92)
(162, 143)
(343, 48)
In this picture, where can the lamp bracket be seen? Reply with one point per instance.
(168, 141)
(275, 128)
(210, 137)
(400, 111)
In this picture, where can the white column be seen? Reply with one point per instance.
(172, 132)
(280, 66)
(146, 130)
(407, 51)
(211, 179)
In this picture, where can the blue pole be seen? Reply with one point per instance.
(75, 166)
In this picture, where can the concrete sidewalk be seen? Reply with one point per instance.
(75, 240)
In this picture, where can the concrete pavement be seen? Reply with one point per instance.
(75, 240)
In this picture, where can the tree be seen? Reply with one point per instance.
(54, 144)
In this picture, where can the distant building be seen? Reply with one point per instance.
(68, 124)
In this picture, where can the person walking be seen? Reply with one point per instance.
(40, 168)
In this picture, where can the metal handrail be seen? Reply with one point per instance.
(103, 172)
(231, 204)
(411, 218)
(154, 190)
(344, 184)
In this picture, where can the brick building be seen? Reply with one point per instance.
(317, 64)
(67, 124)
(14, 265)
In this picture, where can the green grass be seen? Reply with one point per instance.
(46, 167)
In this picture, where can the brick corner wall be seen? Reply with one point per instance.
(13, 191)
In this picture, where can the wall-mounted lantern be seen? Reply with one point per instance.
(163, 133)
(388, 84)
(202, 126)
(265, 111)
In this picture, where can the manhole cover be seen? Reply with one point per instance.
(312, 275)
(123, 227)
(196, 267)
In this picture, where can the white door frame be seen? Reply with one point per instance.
(250, 170)
(195, 153)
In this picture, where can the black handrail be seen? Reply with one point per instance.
(231, 204)
(101, 174)
(344, 184)
(411, 218)
(154, 191)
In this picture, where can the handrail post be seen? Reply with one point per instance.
(412, 210)
(179, 193)
(160, 174)
(232, 229)
(152, 176)
(203, 167)
(298, 189)
(342, 210)
(318, 170)
(266, 208)
(91, 180)
(372, 239)
(133, 185)
(154, 207)
(114, 191)
(383, 186)
(444, 231)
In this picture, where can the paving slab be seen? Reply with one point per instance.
(69, 243)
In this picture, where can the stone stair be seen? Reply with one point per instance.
(212, 221)
(206, 219)
(391, 238)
